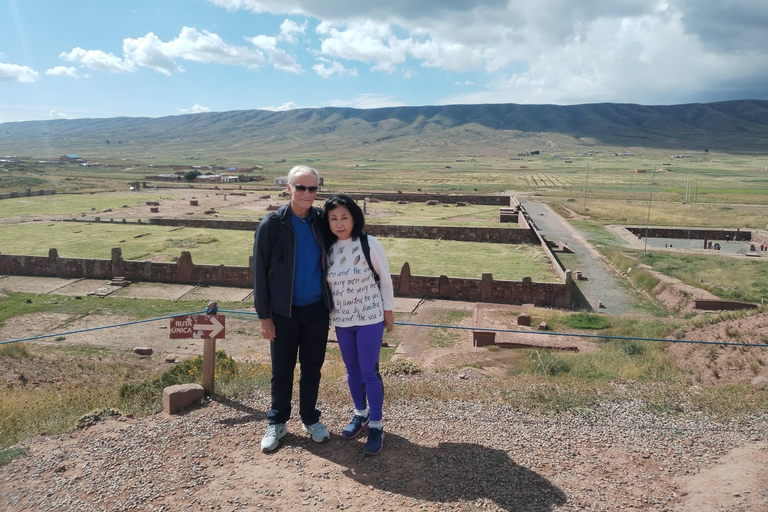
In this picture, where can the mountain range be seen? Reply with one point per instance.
(733, 126)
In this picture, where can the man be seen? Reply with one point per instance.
(293, 302)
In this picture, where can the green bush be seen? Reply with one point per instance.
(631, 347)
(148, 394)
(547, 363)
(15, 350)
(587, 321)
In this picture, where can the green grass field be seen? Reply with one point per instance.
(229, 247)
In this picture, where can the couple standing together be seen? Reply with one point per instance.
(313, 268)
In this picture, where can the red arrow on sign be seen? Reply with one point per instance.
(197, 327)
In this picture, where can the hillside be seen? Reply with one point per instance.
(734, 127)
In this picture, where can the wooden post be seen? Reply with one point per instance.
(209, 365)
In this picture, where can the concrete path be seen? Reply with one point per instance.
(604, 284)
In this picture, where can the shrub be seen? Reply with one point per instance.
(547, 363)
(15, 350)
(587, 321)
(631, 347)
(399, 366)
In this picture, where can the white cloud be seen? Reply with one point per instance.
(98, 60)
(559, 51)
(290, 31)
(365, 101)
(196, 109)
(69, 72)
(285, 106)
(335, 68)
(151, 52)
(277, 56)
(55, 114)
(16, 73)
(366, 41)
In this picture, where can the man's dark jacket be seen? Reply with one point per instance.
(273, 265)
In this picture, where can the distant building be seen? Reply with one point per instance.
(72, 158)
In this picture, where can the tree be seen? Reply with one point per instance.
(191, 175)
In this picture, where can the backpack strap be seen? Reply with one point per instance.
(273, 226)
(367, 253)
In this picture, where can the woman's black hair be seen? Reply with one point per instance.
(357, 216)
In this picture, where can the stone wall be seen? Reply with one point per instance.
(184, 271)
(461, 233)
(27, 193)
(513, 235)
(424, 197)
(695, 234)
(722, 305)
(486, 289)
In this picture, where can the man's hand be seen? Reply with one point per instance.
(267, 329)
(389, 320)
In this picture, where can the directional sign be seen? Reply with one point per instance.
(197, 327)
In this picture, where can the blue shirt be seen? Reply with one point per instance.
(307, 270)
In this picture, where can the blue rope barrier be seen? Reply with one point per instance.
(214, 310)
(98, 328)
(604, 336)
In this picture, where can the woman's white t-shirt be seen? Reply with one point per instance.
(356, 297)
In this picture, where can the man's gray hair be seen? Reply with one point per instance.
(300, 170)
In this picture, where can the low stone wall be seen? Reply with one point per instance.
(466, 234)
(486, 289)
(519, 235)
(693, 233)
(239, 225)
(722, 305)
(423, 198)
(28, 193)
(184, 271)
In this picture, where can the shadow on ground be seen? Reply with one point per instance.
(450, 472)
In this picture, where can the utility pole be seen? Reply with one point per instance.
(648, 220)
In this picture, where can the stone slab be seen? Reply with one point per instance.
(179, 397)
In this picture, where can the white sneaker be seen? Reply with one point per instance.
(271, 439)
(317, 432)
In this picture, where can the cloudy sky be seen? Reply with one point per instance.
(109, 58)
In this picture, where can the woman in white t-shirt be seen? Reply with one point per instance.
(363, 303)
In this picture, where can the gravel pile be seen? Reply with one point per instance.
(455, 456)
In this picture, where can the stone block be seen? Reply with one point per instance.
(523, 319)
(760, 382)
(181, 396)
(483, 338)
(543, 326)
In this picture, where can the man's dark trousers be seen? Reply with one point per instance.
(304, 334)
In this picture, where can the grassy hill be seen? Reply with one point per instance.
(498, 130)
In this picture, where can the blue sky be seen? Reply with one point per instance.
(107, 58)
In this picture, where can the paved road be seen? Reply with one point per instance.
(603, 284)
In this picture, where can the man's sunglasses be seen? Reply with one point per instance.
(302, 188)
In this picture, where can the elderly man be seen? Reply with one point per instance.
(293, 302)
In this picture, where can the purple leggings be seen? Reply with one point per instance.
(360, 348)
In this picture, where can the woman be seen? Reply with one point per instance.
(358, 274)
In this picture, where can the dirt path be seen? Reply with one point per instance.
(604, 285)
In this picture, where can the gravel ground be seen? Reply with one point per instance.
(455, 456)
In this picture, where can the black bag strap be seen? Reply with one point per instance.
(273, 226)
(367, 253)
